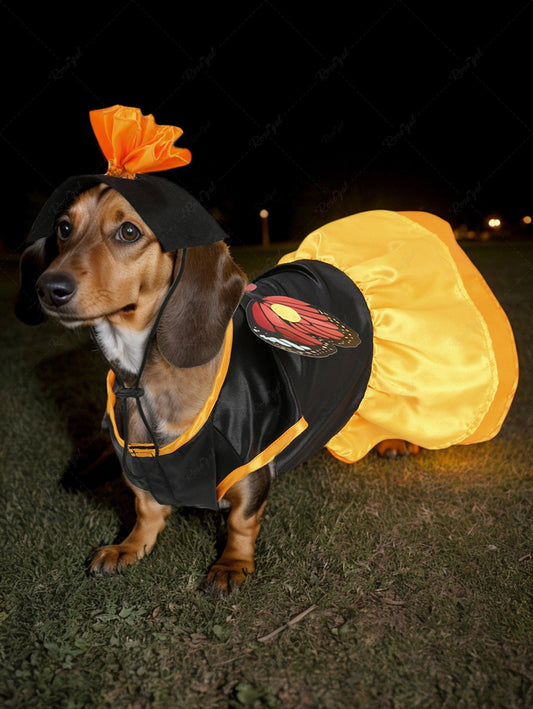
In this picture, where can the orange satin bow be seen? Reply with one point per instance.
(133, 143)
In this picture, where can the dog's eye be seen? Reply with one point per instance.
(64, 230)
(128, 232)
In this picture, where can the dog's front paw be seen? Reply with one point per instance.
(395, 448)
(227, 577)
(113, 558)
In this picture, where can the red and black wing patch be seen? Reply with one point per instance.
(298, 327)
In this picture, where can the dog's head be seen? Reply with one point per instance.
(104, 261)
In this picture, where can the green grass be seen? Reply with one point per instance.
(420, 570)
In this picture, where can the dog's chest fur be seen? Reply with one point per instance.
(172, 397)
(122, 347)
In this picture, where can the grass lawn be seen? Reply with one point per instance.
(417, 574)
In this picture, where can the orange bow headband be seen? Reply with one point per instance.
(134, 144)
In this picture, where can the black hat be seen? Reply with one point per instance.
(135, 145)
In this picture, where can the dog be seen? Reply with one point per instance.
(106, 269)
(376, 332)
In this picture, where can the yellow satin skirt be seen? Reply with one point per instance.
(445, 367)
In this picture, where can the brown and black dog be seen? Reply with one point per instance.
(107, 270)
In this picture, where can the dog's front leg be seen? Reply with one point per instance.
(248, 499)
(151, 519)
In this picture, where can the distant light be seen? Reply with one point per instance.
(527, 220)
(265, 231)
(494, 223)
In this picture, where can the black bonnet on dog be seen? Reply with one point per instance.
(135, 145)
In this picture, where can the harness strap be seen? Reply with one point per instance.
(136, 392)
(128, 392)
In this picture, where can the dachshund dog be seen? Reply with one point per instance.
(107, 270)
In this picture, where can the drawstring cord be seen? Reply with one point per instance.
(136, 392)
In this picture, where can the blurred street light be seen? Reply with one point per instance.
(265, 232)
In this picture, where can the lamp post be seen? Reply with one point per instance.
(265, 234)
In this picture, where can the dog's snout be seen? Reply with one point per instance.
(56, 288)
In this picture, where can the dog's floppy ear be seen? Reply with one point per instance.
(34, 261)
(193, 324)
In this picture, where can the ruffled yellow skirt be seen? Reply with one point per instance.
(445, 367)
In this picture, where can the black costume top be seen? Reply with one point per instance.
(273, 405)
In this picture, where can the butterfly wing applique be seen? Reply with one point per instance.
(298, 327)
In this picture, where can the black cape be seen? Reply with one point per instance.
(274, 406)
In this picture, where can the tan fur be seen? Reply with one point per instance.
(237, 560)
(112, 275)
(176, 394)
(151, 520)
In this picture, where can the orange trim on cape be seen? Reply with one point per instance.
(134, 144)
(266, 456)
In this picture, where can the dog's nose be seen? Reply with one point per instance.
(56, 288)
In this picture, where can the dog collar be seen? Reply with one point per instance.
(135, 146)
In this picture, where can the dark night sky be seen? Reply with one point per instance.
(313, 115)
